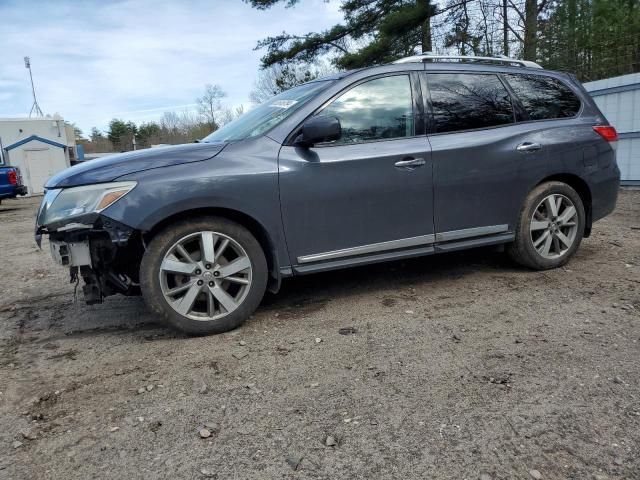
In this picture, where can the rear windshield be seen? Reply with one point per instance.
(544, 98)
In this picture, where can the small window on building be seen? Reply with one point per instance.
(468, 101)
(544, 97)
(379, 109)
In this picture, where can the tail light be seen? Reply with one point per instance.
(13, 177)
(607, 132)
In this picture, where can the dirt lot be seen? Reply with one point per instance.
(462, 366)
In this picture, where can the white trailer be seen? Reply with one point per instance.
(619, 100)
(39, 147)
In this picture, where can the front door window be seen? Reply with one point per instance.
(379, 109)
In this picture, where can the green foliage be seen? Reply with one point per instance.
(278, 78)
(77, 132)
(96, 135)
(264, 4)
(173, 128)
(132, 128)
(389, 29)
(148, 130)
(289, 78)
(592, 38)
(118, 131)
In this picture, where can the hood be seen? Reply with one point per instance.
(107, 169)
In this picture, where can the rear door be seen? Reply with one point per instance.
(371, 190)
(548, 105)
(482, 160)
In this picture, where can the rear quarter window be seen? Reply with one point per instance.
(544, 98)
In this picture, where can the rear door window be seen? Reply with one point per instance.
(544, 98)
(465, 101)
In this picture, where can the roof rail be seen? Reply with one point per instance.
(499, 60)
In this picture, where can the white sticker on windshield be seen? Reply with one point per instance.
(283, 103)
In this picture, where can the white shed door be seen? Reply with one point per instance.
(40, 166)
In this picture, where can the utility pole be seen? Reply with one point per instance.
(35, 108)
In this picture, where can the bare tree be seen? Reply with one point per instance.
(528, 19)
(188, 120)
(170, 121)
(210, 104)
(505, 28)
(530, 29)
(229, 114)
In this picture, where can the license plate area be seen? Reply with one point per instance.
(76, 254)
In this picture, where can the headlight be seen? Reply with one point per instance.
(76, 201)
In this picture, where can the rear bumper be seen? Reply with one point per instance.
(14, 192)
(604, 193)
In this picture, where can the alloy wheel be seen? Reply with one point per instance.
(205, 275)
(554, 225)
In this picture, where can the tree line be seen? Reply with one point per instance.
(172, 128)
(592, 39)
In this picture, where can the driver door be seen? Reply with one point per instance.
(367, 193)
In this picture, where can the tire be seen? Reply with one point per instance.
(190, 289)
(528, 249)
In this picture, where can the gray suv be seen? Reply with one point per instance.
(425, 155)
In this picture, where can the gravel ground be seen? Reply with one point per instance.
(461, 366)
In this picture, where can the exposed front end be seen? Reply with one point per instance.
(105, 253)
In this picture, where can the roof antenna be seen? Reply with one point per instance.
(35, 108)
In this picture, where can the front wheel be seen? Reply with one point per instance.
(550, 227)
(204, 276)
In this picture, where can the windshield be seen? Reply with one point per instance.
(260, 119)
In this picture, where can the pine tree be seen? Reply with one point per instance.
(387, 30)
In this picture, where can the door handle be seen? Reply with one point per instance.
(528, 147)
(410, 163)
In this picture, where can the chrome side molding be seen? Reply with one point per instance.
(471, 232)
(372, 248)
(421, 240)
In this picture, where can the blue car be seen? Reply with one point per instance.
(422, 156)
(11, 183)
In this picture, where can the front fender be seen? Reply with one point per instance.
(244, 180)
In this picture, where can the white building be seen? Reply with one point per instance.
(619, 100)
(39, 147)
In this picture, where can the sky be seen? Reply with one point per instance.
(94, 60)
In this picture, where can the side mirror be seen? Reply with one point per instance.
(319, 129)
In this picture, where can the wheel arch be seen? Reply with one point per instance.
(254, 226)
(582, 188)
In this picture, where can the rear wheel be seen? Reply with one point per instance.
(550, 227)
(204, 276)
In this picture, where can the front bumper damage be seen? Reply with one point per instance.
(103, 252)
